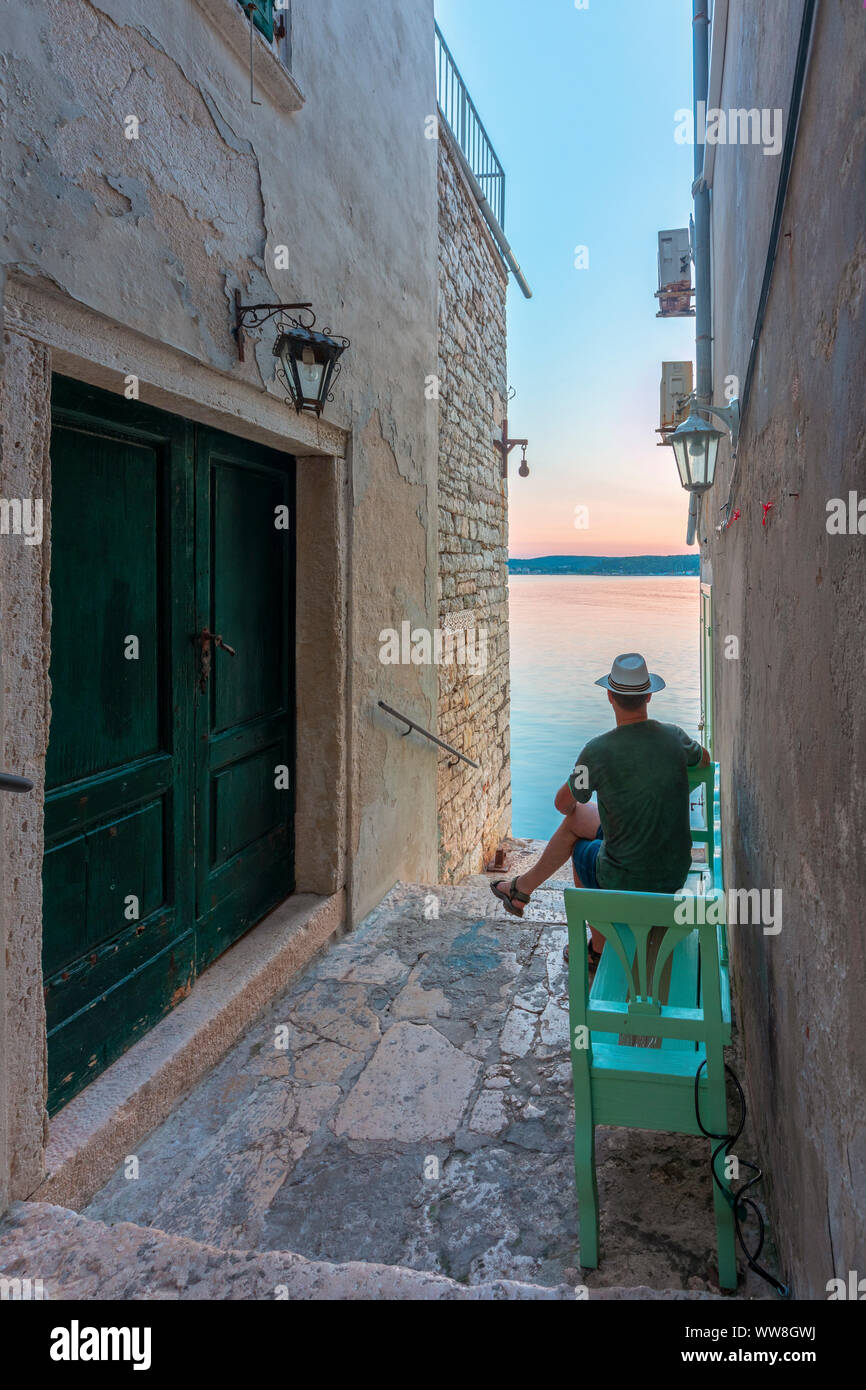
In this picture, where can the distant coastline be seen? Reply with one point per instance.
(662, 565)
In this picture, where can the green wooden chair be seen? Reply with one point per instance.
(665, 980)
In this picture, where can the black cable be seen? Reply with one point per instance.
(739, 1204)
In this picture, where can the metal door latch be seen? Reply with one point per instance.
(208, 640)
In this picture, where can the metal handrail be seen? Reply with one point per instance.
(467, 128)
(8, 783)
(404, 719)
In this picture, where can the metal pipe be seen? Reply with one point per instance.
(718, 46)
(490, 218)
(693, 519)
(703, 278)
(703, 281)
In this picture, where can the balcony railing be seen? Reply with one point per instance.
(466, 126)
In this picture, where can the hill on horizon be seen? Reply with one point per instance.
(608, 564)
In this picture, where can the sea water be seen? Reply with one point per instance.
(565, 632)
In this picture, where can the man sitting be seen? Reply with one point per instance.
(637, 837)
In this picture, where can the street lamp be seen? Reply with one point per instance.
(310, 364)
(696, 444)
(309, 360)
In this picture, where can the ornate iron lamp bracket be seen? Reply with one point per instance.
(254, 315)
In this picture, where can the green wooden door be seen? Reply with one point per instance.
(128, 841)
(245, 736)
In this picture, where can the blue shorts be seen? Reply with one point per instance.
(584, 856)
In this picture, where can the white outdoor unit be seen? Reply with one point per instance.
(677, 378)
(675, 274)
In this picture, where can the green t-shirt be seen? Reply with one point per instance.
(638, 772)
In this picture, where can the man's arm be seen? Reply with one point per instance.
(564, 801)
(692, 747)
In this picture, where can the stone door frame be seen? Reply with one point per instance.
(44, 333)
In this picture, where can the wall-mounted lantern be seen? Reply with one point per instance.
(310, 364)
(309, 361)
(696, 444)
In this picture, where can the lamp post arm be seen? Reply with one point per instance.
(729, 414)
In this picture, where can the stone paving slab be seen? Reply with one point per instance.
(407, 1102)
(79, 1259)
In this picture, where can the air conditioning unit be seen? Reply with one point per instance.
(677, 379)
(675, 275)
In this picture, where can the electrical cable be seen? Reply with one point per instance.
(736, 1200)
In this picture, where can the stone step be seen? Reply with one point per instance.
(78, 1258)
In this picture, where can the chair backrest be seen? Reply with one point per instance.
(702, 800)
(628, 921)
(705, 809)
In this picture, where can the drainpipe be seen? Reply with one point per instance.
(693, 519)
(703, 280)
(718, 46)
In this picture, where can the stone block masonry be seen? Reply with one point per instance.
(474, 806)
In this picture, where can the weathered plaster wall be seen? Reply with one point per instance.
(791, 712)
(139, 244)
(24, 622)
(158, 232)
(474, 706)
(5, 1153)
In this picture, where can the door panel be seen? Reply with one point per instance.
(118, 940)
(246, 804)
(245, 565)
(108, 501)
(248, 562)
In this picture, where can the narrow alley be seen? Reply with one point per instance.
(406, 1103)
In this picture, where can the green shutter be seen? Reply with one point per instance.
(263, 15)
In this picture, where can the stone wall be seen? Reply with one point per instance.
(474, 806)
(791, 711)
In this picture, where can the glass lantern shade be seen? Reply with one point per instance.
(309, 360)
(696, 447)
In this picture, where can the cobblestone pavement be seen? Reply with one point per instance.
(408, 1102)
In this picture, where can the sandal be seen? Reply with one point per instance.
(593, 956)
(508, 895)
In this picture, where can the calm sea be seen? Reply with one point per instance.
(565, 632)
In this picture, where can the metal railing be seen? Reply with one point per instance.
(466, 126)
(457, 756)
(11, 783)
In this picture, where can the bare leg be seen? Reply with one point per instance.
(597, 938)
(582, 824)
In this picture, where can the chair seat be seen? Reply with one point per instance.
(655, 1091)
(637, 1062)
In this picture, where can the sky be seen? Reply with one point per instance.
(579, 105)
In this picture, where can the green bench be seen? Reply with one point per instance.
(664, 980)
